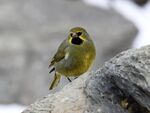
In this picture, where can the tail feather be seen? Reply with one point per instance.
(56, 80)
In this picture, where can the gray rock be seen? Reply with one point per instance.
(122, 85)
(30, 32)
(71, 99)
(126, 76)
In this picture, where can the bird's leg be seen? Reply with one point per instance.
(69, 79)
(75, 78)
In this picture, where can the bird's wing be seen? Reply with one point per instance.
(60, 54)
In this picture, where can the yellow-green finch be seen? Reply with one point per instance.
(74, 55)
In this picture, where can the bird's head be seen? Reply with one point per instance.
(78, 35)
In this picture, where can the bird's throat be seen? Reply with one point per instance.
(76, 41)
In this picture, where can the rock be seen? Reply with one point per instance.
(31, 31)
(122, 85)
(125, 78)
(71, 98)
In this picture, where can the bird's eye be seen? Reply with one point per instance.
(79, 33)
(71, 34)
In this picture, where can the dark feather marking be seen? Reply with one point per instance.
(77, 41)
(52, 70)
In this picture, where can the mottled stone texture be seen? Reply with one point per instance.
(71, 99)
(122, 85)
(31, 31)
(127, 75)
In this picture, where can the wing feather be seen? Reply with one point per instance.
(60, 54)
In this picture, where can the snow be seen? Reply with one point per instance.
(99, 3)
(11, 108)
(140, 16)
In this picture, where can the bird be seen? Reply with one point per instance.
(74, 56)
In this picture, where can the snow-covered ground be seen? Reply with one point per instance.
(139, 16)
(12, 108)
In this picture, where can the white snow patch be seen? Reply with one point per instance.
(140, 16)
(99, 3)
(11, 108)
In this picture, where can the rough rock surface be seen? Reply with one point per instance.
(70, 99)
(122, 81)
(30, 32)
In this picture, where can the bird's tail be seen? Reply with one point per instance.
(55, 81)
